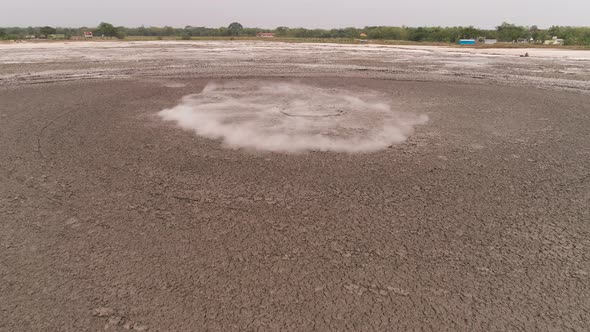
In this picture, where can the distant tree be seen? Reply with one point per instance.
(282, 31)
(120, 32)
(510, 32)
(106, 29)
(555, 31)
(351, 32)
(2, 33)
(417, 34)
(223, 31)
(168, 31)
(235, 28)
(142, 31)
(469, 32)
(187, 32)
(535, 32)
(46, 31)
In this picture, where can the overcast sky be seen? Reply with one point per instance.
(294, 13)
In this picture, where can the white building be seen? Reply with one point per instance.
(554, 41)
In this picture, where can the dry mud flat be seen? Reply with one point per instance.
(112, 218)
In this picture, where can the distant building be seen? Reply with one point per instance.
(88, 34)
(490, 41)
(554, 41)
(466, 41)
(265, 34)
(363, 35)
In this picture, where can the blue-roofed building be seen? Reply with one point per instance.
(466, 41)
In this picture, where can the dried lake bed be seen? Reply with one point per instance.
(293, 187)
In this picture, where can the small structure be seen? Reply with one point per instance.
(88, 34)
(265, 34)
(363, 35)
(554, 41)
(466, 41)
(490, 41)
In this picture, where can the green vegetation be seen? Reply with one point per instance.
(46, 31)
(108, 30)
(235, 28)
(505, 32)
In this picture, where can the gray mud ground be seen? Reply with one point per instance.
(112, 219)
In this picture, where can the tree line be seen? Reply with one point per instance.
(505, 32)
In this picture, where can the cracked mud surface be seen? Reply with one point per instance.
(112, 219)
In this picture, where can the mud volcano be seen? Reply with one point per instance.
(287, 117)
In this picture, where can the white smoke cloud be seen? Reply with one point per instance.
(288, 117)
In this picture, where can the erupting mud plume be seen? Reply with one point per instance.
(288, 117)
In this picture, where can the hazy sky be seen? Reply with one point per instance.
(294, 13)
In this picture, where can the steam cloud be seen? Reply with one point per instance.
(287, 117)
